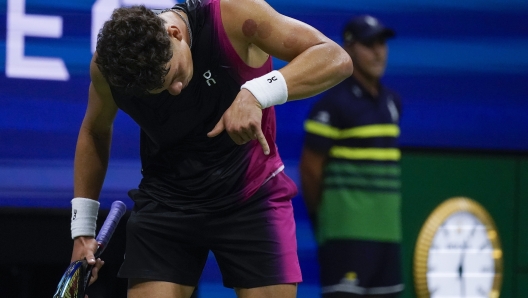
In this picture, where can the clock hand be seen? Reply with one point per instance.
(461, 265)
(461, 271)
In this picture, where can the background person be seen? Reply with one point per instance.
(350, 173)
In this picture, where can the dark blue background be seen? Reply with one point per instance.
(461, 68)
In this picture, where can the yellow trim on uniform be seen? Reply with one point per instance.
(318, 128)
(366, 131)
(391, 154)
(371, 131)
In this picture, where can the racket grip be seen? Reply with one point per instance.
(117, 210)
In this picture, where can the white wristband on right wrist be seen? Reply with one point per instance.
(269, 89)
(84, 217)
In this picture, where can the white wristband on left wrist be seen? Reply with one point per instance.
(269, 89)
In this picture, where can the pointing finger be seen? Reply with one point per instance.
(263, 142)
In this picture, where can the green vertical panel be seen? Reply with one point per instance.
(522, 230)
(430, 178)
(522, 285)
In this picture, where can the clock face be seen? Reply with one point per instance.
(461, 258)
(458, 252)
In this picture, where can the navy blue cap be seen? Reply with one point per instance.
(364, 29)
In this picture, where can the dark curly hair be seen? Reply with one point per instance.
(133, 49)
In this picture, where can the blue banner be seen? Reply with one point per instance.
(461, 68)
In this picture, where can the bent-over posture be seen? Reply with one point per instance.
(198, 80)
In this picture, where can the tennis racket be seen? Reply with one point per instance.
(75, 280)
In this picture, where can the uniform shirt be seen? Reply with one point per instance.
(361, 185)
(181, 166)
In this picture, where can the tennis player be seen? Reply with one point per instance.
(198, 80)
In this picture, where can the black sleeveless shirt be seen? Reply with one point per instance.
(181, 166)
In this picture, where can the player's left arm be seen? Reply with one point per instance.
(315, 62)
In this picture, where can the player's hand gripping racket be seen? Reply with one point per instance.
(75, 280)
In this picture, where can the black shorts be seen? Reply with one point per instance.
(360, 267)
(254, 244)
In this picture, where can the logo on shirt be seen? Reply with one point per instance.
(323, 117)
(357, 91)
(208, 79)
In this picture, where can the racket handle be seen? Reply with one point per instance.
(117, 210)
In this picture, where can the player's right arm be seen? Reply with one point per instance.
(92, 153)
(95, 136)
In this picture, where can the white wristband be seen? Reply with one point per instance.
(84, 217)
(269, 89)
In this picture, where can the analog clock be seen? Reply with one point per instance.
(458, 252)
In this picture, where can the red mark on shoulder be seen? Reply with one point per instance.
(264, 30)
(249, 28)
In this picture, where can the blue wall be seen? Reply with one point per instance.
(461, 68)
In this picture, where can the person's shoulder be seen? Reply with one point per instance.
(235, 11)
(233, 6)
(391, 92)
(332, 98)
(239, 4)
(95, 73)
(97, 78)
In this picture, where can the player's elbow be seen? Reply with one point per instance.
(344, 65)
